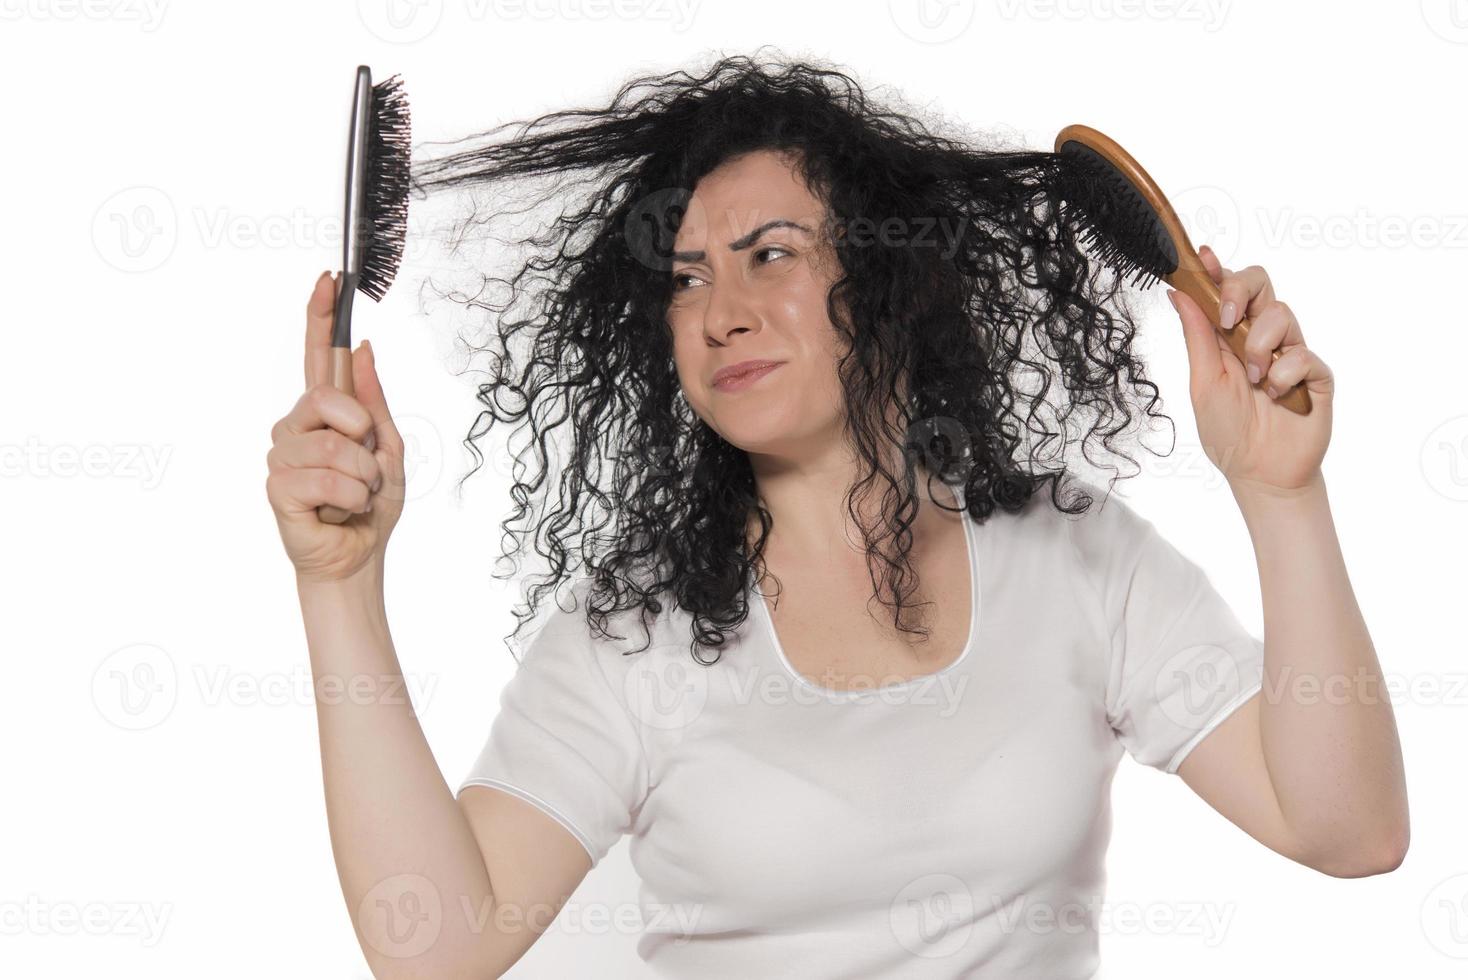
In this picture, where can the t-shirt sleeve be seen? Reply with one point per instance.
(563, 739)
(1179, 660)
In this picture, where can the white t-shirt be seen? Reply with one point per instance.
(953, 825)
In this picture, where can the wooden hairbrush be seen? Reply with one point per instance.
(1134, 230)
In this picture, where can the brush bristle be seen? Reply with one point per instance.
(1120, 227)
(385, 206)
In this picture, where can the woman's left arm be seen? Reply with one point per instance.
(1320, 741)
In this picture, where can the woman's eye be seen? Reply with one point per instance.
(679, 277)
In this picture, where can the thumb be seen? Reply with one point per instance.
(1205, 360)
(369, 392)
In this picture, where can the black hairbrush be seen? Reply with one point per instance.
(376, 220)
(1134, 229)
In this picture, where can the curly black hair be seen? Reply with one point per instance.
(957, 325)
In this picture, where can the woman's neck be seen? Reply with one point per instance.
(806, 501)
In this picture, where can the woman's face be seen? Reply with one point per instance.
(750, 273)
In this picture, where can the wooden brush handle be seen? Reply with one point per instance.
(1197, 283)
(341, 380)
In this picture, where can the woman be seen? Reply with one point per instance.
(798, 351)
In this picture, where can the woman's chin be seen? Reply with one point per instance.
(768, 434)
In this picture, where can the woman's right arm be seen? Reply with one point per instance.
(435, 887)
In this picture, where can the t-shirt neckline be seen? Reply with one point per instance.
(975, 602)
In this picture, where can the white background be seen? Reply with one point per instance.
(173, 180)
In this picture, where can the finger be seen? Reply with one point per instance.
(300, 491)
(370, 394)
(1243, 293)
(1274, 328)
(1295, 366)
(1205, 359)
(319, 310)
(325, 449)
(323, 406)
(1212, 264)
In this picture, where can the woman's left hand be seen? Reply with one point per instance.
(1258, 445)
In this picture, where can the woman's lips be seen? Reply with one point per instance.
(741, 381)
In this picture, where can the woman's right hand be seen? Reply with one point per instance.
(334, 448)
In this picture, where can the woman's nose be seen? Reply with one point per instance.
(730, 310)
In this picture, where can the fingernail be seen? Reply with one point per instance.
(368, 508)
(1226, 314)
(1272, 392)
(1172, 297)
(368, 344)
(1254, 374)
(377, 484)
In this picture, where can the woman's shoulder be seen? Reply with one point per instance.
(1083, 518)
(578, 615)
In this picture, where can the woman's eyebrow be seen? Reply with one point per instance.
(744, 241)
